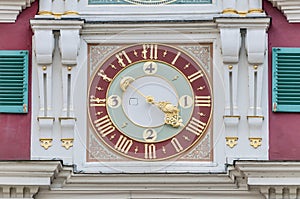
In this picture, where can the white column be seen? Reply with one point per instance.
(71, 7)
(231, 44)
(255, 7)
(229, 7)
(45, 7)
(256, 49)
(44, 45)
(69, 46)
(58, 7)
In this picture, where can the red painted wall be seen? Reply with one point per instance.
(284, 127)
(15, 128)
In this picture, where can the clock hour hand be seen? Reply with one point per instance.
(171, 112)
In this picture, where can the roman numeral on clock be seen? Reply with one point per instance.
(150, 151)
(195, 76)
(120, 55)
(94, 101)
(204, 101)
(104, 126)
(123, 144)
(196, 126)
(176, 145)
(152, 51)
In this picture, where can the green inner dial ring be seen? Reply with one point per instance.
(141, 131)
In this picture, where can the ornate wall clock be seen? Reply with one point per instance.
(150, 102)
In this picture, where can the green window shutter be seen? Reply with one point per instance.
(286, 79)
(13, 81)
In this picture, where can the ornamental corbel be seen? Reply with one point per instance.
(67, 125)
(256, 49)
(231, 44)
(69, 45)
(231, 129)
(46, 131)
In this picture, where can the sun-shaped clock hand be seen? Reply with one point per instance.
(171, 112)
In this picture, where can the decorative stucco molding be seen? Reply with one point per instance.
(290, 8)
(10, 9)
(243, 180)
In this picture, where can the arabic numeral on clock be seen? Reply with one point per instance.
(149, 135)
(114, 101)
(150, 68)
(186, 101)
(123, 144)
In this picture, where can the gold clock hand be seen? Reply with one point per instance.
(171, 112)
(126, 82)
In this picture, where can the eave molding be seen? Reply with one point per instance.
(244, 179)
(10, 9)
(290, 8)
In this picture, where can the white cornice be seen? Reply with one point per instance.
(10, 9)
(290, 8)
(245, 179)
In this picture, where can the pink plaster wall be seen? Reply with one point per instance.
(15, 128)
(284, 143)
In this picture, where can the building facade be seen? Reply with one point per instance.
(149, 99)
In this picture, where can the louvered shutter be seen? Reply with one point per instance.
(13, 81)
(286, 79)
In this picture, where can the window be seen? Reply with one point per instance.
(13, 81)
(286, 79)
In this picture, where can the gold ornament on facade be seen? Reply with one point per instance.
(256, 10)
(229, 11)
(67, 142)
(57, 15)
(46, 142)
(231, 141)
(255, 142)
(242, 13)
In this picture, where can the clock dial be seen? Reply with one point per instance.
(150, 102)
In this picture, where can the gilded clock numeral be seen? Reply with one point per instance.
(196, 126)
(120, 55)
(176, 57)
(195, 76)
(104, 76)
(150, 151)
(204, 101)
(123, 144)
(104, 126)
(176, 144)
(152, 51)
(95, 101)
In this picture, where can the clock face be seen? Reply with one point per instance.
(150, 102)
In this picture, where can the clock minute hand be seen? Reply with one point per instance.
(126, 82)
(171, 112)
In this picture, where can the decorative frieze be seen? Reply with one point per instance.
(244, 180)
